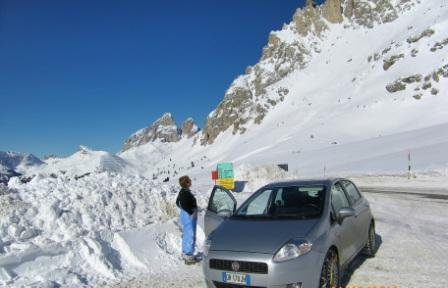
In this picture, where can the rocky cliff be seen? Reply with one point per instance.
(163, 129)
(289, 49)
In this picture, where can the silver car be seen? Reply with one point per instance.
(287, 234)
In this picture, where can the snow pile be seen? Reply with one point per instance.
(142, 250)
(62, 231)
(255, 177)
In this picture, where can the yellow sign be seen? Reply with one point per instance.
(226, 183)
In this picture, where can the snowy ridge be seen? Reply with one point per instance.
(83, 162)
(19, 162)
(338, 111)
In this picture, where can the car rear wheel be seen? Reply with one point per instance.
(330, 275)
(370, 248)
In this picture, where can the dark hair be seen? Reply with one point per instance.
(184, 181)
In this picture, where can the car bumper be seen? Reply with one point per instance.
(305, 269)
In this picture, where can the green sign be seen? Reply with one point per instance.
(225, 171)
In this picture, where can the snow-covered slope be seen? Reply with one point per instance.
(82, 162)
(19, 162)
(13, 164)
(369, 92)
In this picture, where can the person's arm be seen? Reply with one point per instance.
(191, 205)
(194, 207)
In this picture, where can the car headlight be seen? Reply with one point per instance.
(292, 249)
(207, 245)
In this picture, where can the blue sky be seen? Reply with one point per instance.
(93, 72)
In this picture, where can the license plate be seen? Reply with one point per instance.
(236, 278)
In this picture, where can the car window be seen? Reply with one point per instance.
(290, 202)
(221, 202)
(338, 198)
(351, 190)
(259, 205)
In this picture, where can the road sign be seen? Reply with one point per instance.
(225, 171)
(225, 176)
(226, 183)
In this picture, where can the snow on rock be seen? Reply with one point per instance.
(254, 176)
(164, 130)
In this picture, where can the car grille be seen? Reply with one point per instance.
(227, 285)
(248, 267)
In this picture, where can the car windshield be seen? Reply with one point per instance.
(297, 202)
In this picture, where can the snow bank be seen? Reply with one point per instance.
(143, 250)
(67, 232)
(254, 177)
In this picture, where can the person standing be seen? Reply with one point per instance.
(188, 219)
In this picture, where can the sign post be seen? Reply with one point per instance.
(409, 165)
(225, 176)
(214, 176)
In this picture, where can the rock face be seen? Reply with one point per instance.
(287, 50)
(189, 128)
(163, 129)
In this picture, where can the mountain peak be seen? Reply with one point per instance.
(189, 128)
(13, 162)
(164, 129)
(84, 149)
(252, 95)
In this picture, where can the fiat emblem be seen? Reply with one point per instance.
(235, 266)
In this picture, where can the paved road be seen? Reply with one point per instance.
(412, 226)
(439, 194)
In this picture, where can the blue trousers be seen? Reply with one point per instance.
(188, 232)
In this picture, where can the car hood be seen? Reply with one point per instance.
(258, 236)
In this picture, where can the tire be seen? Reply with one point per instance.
(330, 275)
(370, 248)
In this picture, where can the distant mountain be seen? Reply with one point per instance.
(164, 130)
(19, 161)
(316, 35)
(338, 73)
(85, 161)
(6, 174)
(14, 164)
(343, 84)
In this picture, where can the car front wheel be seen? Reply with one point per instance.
(330, 275)
(370, 248)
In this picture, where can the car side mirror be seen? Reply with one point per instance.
(225, 213)
(345, 213)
